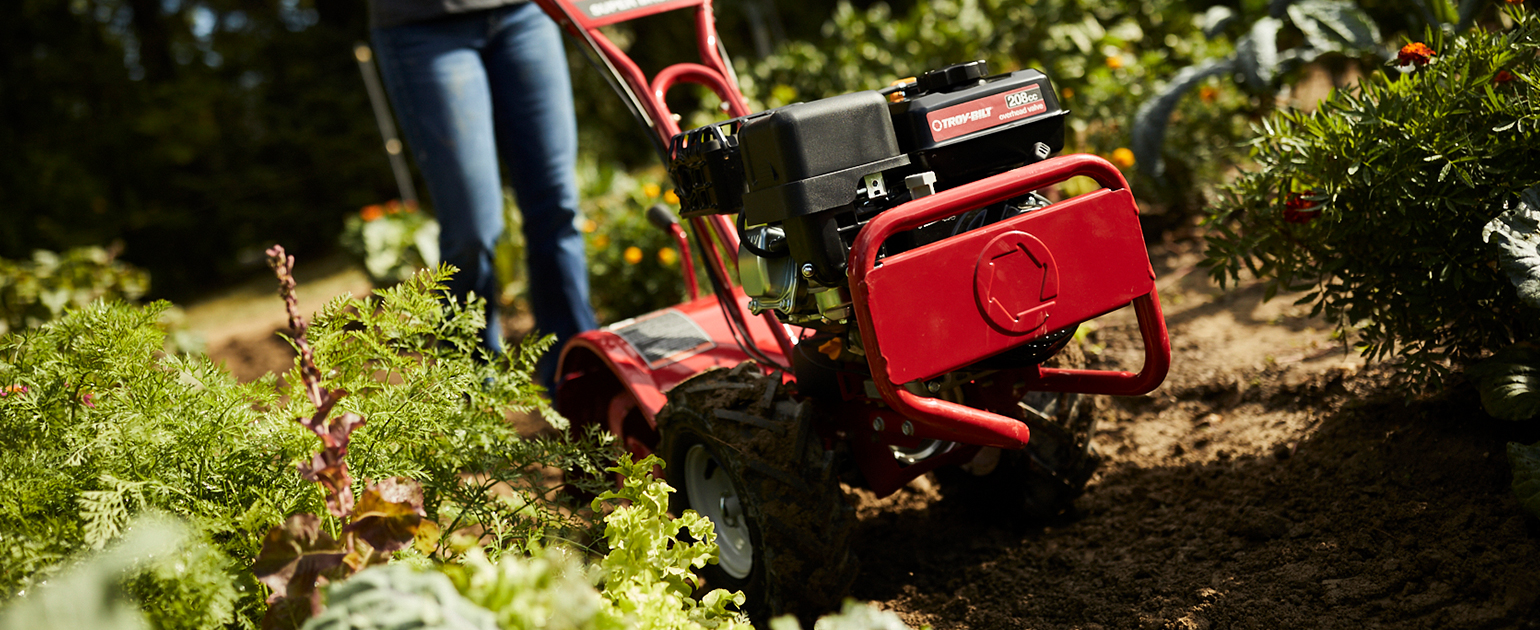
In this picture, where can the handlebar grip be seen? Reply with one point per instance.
(661, 217)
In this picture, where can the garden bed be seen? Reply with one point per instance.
(1272, 481)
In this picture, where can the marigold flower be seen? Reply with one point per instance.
(601, 241)
(393, 206)
(671, 196)
(1415, 53)
(652, 190)
(589, 225)
(410, 206)
(633, 255)
(1123, 157)
(372, 212)
(1298, 209)
(1503, 76)
(1115, 62)
(668, 256)
(1208, 93)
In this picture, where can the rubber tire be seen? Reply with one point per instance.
(1040, 482)
(799, 521)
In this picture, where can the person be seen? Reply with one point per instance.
(473, 81)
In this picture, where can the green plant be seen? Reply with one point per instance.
(1526, 475)
(647, 575)
(1375, 205)
(393, 240)
(397, 596)
(98, 424)
(39, 290)
(90, 593)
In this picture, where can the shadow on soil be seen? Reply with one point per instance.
(1382, 514)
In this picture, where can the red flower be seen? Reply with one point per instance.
(1415, 53)
(1503, 76)
(1298, 209)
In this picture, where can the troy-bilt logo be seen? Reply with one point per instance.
(986, 112)
(960, 119)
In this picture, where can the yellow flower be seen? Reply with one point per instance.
(1067, 93)
(1115, 62)
(589, 225)
(668, 256)
(601, 241)
(633, 255)
(651, 190)
(1123, 157)
(671, 197)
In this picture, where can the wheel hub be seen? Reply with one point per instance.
(711, 493)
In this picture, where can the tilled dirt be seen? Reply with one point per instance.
(1272, 482)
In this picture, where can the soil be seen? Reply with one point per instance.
(1274, 480)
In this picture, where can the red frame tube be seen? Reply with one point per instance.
(713, 74)
(686, 260)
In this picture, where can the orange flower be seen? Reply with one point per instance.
(671, 196)
(1515, 1)
(372, 212)
(652, 190)
(13, 389)
(601, 241)
(1503, 76)
(1208, 93)
(1123, 157)
(668, 256)
(633, 255)
(1298, 209)
(1115, 62)
(589, 225)
(393, 206)
(1415, 53)
(410, 206)
(1067, 93)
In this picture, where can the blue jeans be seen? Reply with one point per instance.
(469, 89)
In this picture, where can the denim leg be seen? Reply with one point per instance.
(537, 138)
(438, 83)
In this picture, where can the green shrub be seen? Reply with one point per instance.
(39, 290)
(1376, 203)
(633, 267)
(393, 240)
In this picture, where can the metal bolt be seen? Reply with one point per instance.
(908, 428)
(934, 387)
(807, 270)
(877, 424)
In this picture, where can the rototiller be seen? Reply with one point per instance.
(901, 294)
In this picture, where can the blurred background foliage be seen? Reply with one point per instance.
(198, 132)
